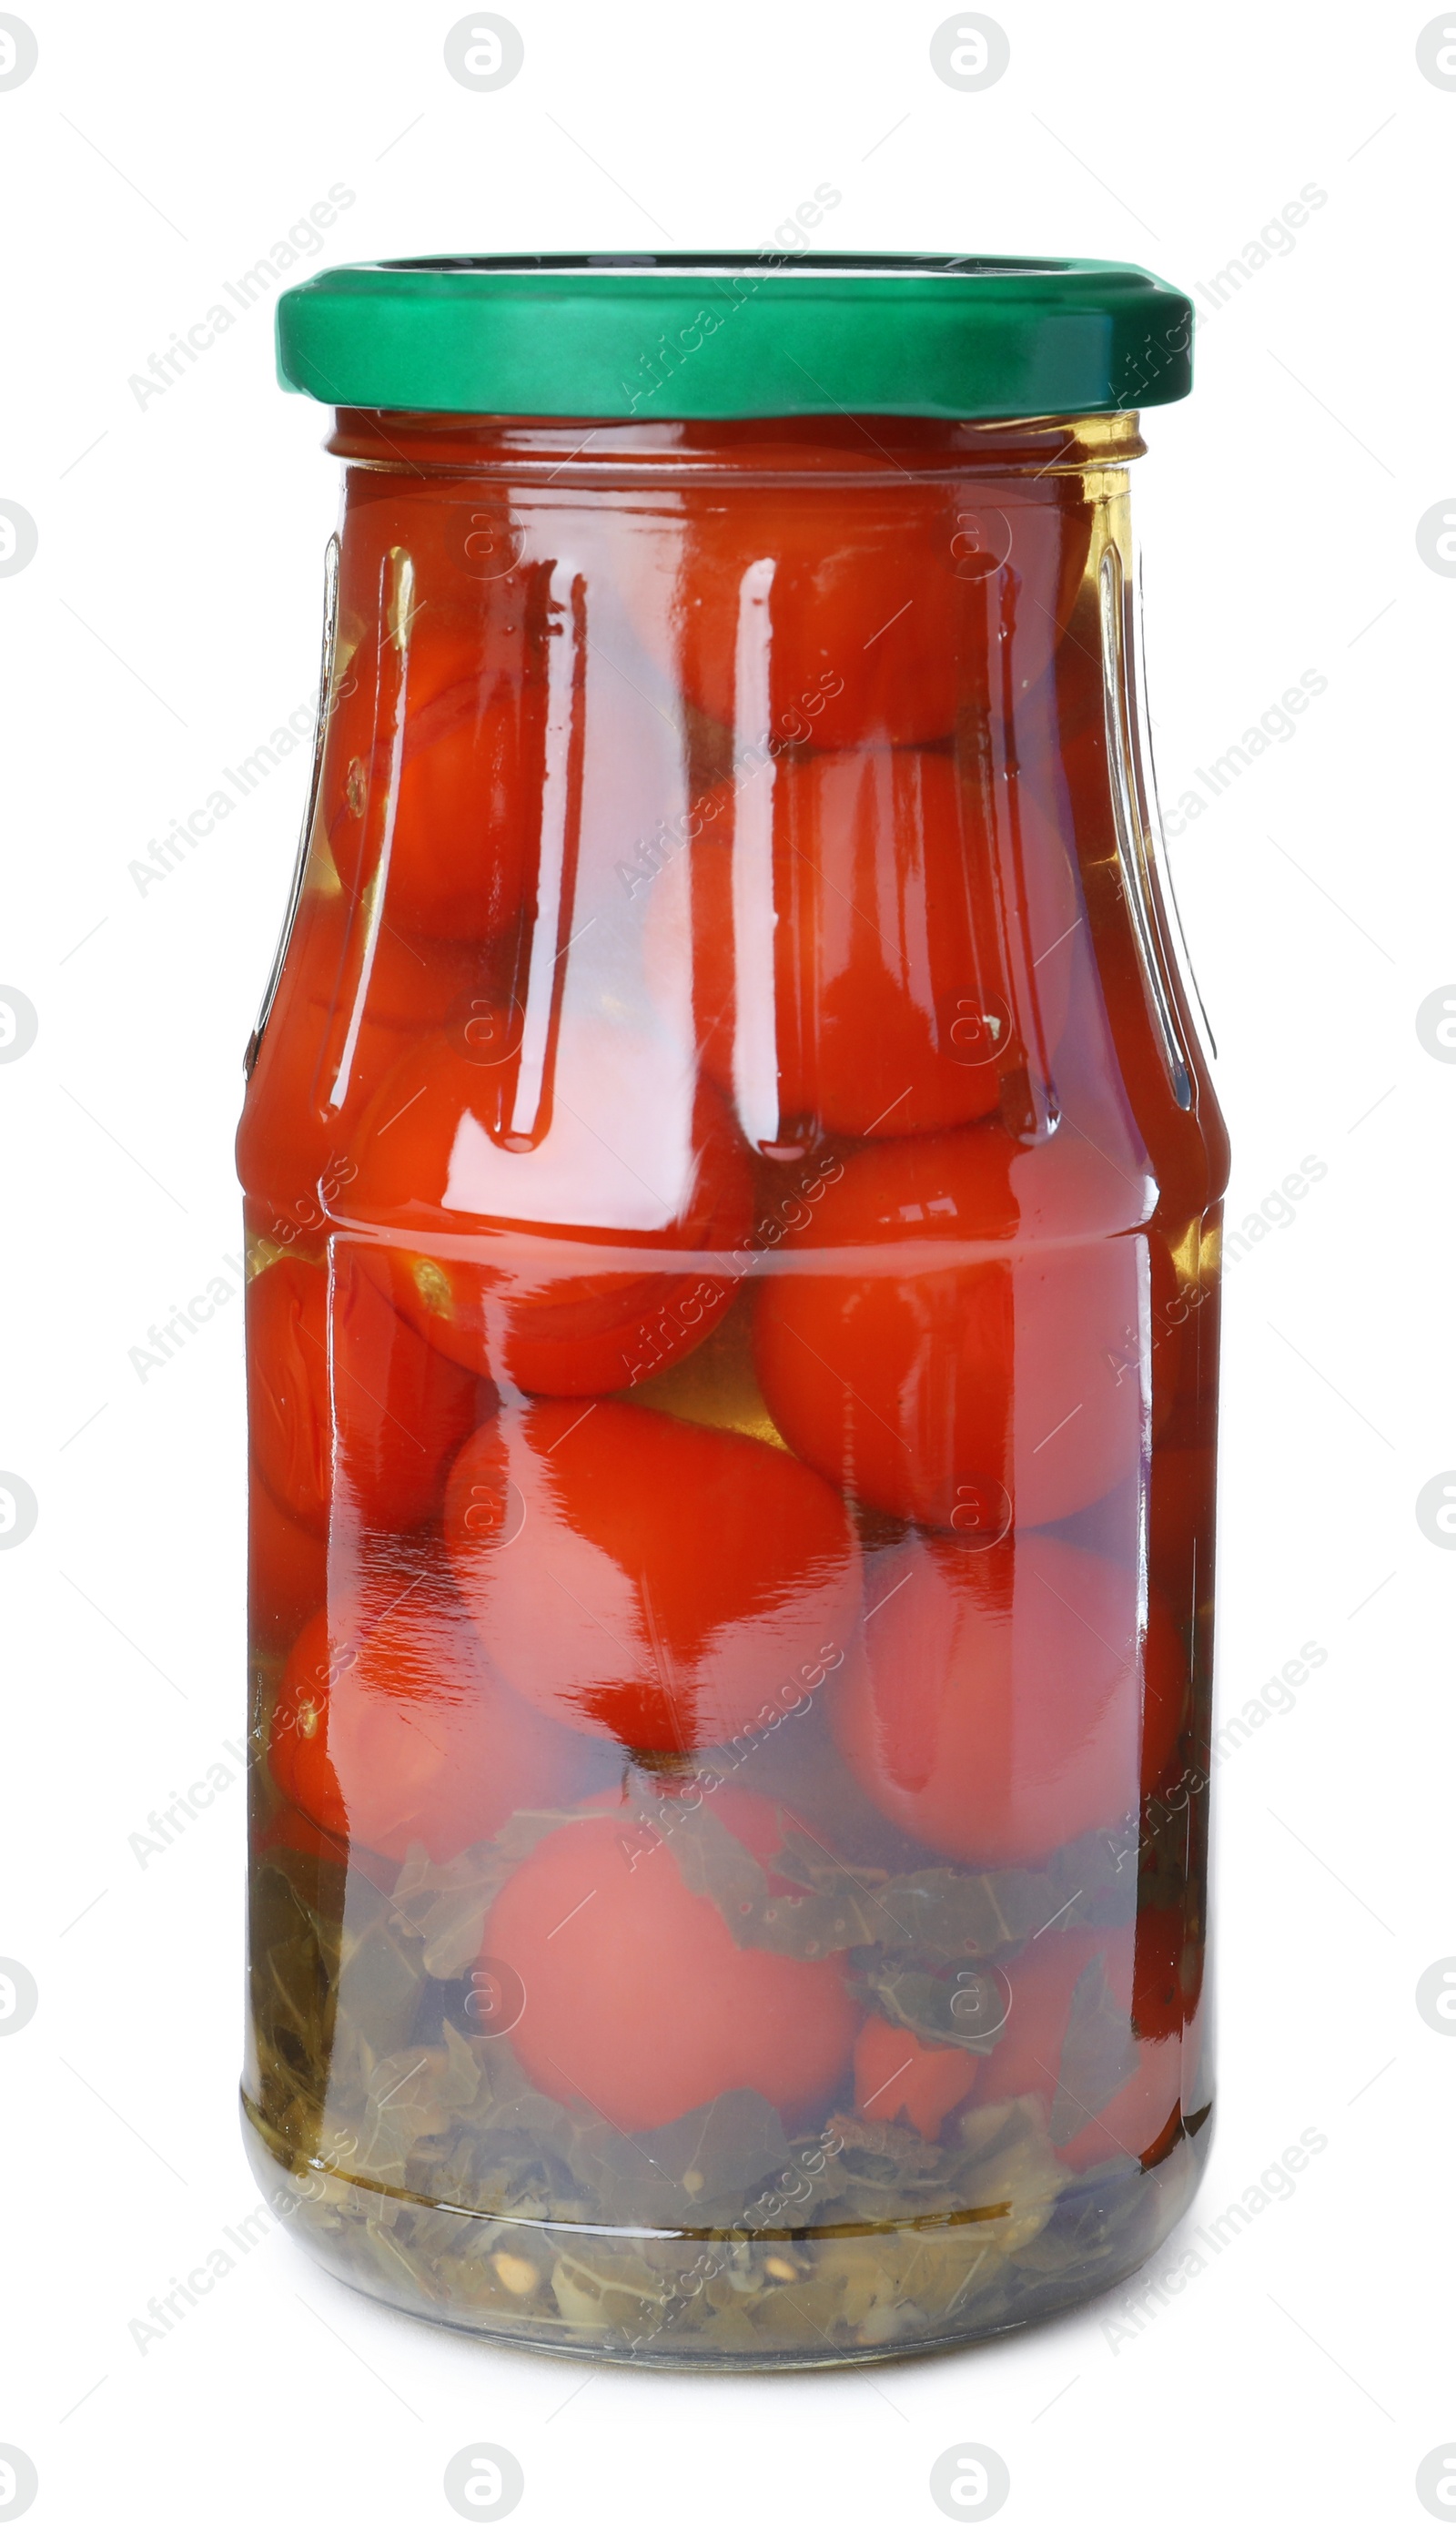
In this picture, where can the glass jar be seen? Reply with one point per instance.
(733, 1198)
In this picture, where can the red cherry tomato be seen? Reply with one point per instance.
(647, 1579)
(942, 1391)
(899, 2078)
(998, 1703)
(1040, 1981)
(433, 776)
(435, 543)
(625, 1153)
(401, 1731)
(805, 613)
(288, 1569)
(1027, 2061)
(857, 947)
(1142, 2118)
(640, 2002)
(348, 1407)
(349, 1003)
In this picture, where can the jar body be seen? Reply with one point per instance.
(733, 1198)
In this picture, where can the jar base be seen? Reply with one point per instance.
(657, 2299)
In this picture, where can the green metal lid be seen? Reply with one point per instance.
(718, 337)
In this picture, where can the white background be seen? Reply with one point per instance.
(168, 624)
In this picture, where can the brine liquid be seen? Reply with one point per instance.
(732, 1210)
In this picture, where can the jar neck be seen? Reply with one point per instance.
(771, 448)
